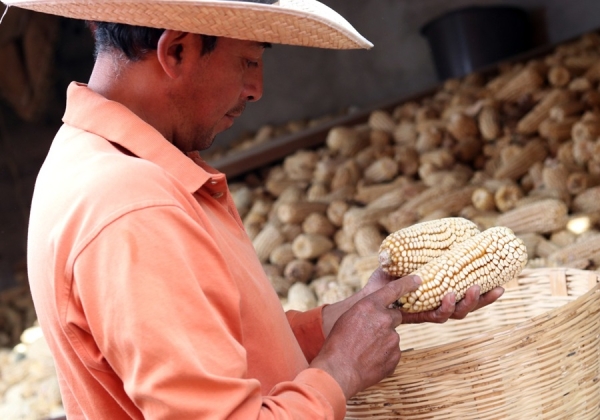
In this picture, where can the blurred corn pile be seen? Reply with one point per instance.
(28, 382)
(519, 148)
(266, 133)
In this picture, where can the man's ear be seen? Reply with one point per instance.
(170, 50)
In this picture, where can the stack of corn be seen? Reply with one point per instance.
(265, 134)
(519, 148)
(28, 383)
(16, 313)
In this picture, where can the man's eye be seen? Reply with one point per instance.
(251, 63)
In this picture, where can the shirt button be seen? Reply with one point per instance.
(217, 195)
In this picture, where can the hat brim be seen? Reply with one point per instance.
(294, 22)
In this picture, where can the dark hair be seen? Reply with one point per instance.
(134, 41)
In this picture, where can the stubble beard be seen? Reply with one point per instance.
(197, 139)
(207, 137)
(202, 138)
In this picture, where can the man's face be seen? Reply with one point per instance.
(215, 89)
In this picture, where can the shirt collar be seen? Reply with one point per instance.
(113, 121)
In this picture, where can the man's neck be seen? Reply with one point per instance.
(131, 84)
(107, 75)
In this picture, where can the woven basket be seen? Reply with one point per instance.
(533, 354)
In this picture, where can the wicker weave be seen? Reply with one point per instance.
(534, 354)
(296, 22)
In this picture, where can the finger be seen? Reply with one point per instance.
(377, 280)
(449, 309)
(392, 291)
(468, 303)
(446, 309)
(381, 276)
(490, 297)
(438, 316)
(480, 302)
(397, 317)
(474, 301)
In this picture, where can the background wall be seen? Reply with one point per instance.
(307, 82)
(299, 83)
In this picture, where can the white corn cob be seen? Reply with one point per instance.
(408, 249)
(489, 259)
(540, 216)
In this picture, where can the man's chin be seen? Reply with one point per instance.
(227, 123)
(207, 142)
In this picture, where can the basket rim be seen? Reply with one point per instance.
(494, 333)
(484, 374)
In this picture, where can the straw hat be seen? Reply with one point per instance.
(295, 22)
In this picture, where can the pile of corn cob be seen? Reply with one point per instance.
(28, 383)
(16, 314)
(265, 134)
(519, 148)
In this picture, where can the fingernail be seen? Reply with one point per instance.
(417, 280)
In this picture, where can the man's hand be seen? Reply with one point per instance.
(449, 308)
(363, 346)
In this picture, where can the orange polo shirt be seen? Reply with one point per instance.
(149, 291)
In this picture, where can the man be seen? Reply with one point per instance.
(149, 292)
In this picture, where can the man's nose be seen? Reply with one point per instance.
(253, 88)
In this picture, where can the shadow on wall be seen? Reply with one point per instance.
(468, 39)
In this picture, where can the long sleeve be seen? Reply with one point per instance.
(308, 329)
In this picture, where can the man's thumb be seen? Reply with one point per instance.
(397, 288)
